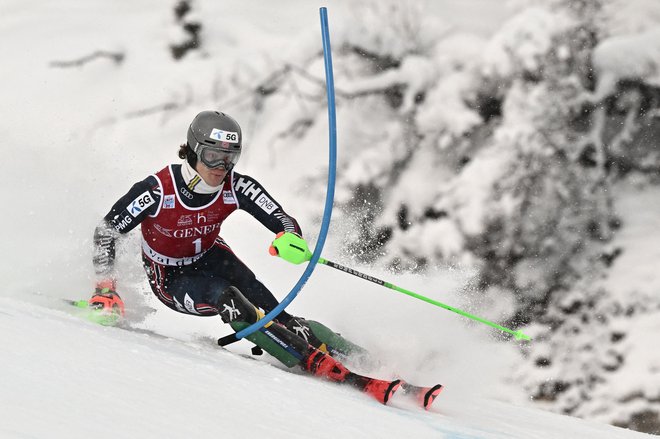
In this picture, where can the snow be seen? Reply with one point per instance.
(641, 210)
(632, 57)
(523, 39)
(406, 28)
(471, 189)
(71, 378)
(445, 109)
(630, 16)
(417, 72)
(626, 305)
(634, 275)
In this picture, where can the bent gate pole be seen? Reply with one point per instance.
(329, 198)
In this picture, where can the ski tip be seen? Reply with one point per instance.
(431, 395)
(94, 315)
(424, 396)
(391, 389)
(77, 303)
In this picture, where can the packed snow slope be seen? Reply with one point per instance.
(65, 377)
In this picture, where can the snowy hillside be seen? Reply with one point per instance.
(68, 378)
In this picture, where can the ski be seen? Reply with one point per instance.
(91, 313)
(424, 396)
(77, 303)
(381, 390)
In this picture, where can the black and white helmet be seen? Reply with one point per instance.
(216, 139)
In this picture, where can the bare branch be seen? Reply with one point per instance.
(116, 57)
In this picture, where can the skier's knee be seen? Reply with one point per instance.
(234, 307)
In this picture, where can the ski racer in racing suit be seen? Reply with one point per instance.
(192, 270)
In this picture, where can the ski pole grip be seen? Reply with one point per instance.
(227, 340)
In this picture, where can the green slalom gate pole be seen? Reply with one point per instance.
(517, 334)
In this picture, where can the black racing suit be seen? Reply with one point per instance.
(205, 279)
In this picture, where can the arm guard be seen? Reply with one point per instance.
(124, 216)
(104, 248)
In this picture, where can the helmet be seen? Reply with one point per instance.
(216, 139)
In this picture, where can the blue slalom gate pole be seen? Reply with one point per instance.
(329, 198)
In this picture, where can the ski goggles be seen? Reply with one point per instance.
(214, 157)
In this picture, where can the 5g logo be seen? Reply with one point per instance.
(140, 203)
(224, 136)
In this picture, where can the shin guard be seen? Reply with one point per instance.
(282, 344)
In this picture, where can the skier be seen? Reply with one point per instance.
(192, 270)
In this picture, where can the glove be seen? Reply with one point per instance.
(290, 247)
(106, 307)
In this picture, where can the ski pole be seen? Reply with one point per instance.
(517, 334)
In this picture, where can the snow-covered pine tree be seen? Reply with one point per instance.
(503, 156)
